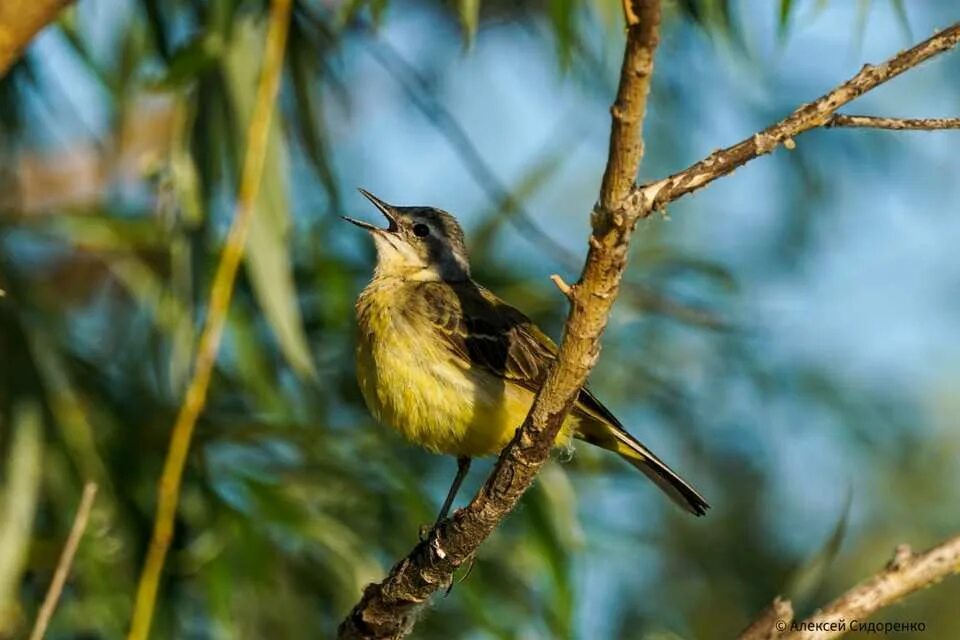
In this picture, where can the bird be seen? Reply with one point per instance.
(453, 368)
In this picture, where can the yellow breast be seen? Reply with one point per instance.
(411, 381)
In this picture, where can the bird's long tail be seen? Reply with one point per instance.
(631, 450)
(611, 436)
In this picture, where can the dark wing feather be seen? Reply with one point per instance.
(487, 332)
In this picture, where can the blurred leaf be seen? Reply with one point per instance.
(469, 12)
(716, 18)
(534, 178)
(552, 513)
(191, 60)
(308, 114)
(119, 242)
(807, 579)
(900, 10)
(860, 26)
(159, 25)
(563, 14)
(18, 504)
(783, 20)
(268, 253)
(68, 410)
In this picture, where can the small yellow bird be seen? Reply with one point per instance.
(452, 367)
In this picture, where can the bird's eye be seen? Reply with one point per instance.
(421, 230)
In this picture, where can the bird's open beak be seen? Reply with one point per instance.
(386, 209)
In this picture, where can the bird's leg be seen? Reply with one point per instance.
(463, 466)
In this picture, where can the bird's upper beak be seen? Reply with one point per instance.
(387, 210)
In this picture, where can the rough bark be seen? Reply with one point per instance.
(894, 124)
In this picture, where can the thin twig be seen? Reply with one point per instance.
(65, 562)
(656, 195)
(220, 293)
(20, 21)
(388, 609)
(565, 288)
(906, 573)
(894, 124)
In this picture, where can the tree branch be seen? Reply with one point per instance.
(894, 124)
(20, 20)
(656, 195)
(221, 291)
(65, 562)
(388, 609)
(906, 573)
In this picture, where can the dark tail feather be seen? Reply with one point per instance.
(663, 476)
(600, 427)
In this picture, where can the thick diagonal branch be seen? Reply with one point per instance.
(20, 20)
(388, 609)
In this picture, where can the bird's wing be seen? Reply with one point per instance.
(486, 332)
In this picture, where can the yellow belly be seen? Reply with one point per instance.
(436, 400)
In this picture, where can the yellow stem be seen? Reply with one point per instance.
(65, 562)
(220, 293)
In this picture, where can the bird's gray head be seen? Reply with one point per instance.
(419, 243)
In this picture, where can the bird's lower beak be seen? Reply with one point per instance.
(385, 209)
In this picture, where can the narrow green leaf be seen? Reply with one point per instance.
(860, 27)
(308, 115)
(564, 30)
(808, 578)
(469, 12)
(18, 505)
(71, 417)
(190, 61)
(268, 253)
(535, 178)
(783, 22)
(900, 10)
